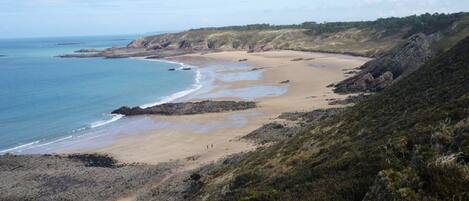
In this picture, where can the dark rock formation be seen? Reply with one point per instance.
(285, 82)
(260, 48)
(187, 108)
(184, 45)
(297, 59)
(77, 177)
(380, 73)
(241, 60)
(112, 53)
(95, 160)
(255, 69)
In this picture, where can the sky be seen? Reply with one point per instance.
(42, 18)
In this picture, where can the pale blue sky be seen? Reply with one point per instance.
(39, 18)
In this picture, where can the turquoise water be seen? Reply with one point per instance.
(44, 98)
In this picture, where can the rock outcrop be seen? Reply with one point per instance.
(401, 61)
(187, 108)
(74, 177)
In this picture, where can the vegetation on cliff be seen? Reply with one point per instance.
(409, 142)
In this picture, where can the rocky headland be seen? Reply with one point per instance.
(187, 108)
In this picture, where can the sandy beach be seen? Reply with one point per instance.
(201, 139)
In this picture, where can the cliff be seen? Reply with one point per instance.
(403, 59)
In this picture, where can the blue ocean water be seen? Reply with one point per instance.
(45, 98)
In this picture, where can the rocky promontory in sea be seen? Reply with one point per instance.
(187, 108)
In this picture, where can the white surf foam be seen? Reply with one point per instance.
(52, 142)
(19, 147)
(195, 87)
(33, 145)
(114, 118)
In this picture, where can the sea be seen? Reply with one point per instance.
(45, 99)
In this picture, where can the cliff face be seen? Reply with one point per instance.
(380, 73)
(403, 59)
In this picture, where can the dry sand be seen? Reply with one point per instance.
(307, 90)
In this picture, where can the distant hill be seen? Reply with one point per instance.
(368, 38)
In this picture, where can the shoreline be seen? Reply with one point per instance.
(197, 85)
(220, 76)
(183, 138)
(76, 134)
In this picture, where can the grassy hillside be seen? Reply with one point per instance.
(409, 142)
(369, 38)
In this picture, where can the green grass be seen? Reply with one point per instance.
(409, 142)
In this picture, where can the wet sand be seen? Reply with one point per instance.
(186, 137)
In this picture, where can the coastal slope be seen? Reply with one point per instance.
(409, 142)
